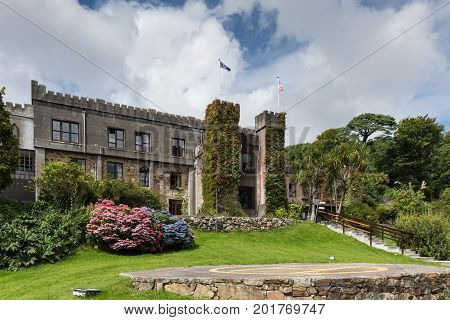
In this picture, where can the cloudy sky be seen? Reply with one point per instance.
(168, 50)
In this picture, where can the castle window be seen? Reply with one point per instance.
(116, 138)
(115, 170)
(65, 131)
(143, 177)
(142, 142)
(175, 180)
(175, 207)
(247, 163)
(26, 161)
(292, 189)
(178, 147)
(15, 131)
(80, 162)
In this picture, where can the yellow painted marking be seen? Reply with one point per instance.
(278, 270)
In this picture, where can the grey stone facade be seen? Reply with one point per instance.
(85, 126)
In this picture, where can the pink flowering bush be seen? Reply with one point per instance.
(122, 228)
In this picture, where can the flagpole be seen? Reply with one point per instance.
(220, 82)
(278, 94)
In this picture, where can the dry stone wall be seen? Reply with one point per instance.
(431, 286)
(225, 224)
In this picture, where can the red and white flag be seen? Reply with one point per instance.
(280, 87)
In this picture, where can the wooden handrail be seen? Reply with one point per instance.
(365, 226)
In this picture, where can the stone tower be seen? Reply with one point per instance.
(263, 121)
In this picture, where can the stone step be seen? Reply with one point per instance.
(376, 242)
(415, 256)
(429, 259)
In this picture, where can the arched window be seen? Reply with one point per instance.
(143, 177)
(15, 131)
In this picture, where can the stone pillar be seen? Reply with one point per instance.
(198, 191)
(99, 167)
(191, 192)
(39, 162)
(151, 175)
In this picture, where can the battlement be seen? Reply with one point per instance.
(266, 119)
(39, 92)
(19, 110)
(247, 131)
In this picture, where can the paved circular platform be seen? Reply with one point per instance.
(299, 281)
(288, 271)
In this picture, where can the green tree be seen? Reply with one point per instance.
(311, 172)
(405, 200)
(416, 144)
(367, 124)
(332, 138)
(344, 166)
(441, 168)
(294, 156)
(9, 146)
(382, 151)
(65, 185)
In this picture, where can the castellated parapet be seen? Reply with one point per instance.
(266, 119)
(39, 93)
(19, 110)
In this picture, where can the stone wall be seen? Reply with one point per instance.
(431, 286)
(224, 224)
(57, 155)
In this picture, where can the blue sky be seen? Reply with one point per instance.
(254, 38)
(168, 51)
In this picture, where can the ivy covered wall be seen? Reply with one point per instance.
(221, 172)
(276, 193)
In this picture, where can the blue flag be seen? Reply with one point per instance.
(223, 66)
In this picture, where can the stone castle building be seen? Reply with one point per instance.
(156, 149)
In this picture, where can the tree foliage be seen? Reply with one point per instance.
(65, 185)
(416, 143)
(294, 156)
(9, 146)
(311, 172)
(344, 165)
(367, 124)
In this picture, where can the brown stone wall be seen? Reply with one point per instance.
(431, 286)
(225, 224)
(56, 155)
(162, 181)
(130, 167)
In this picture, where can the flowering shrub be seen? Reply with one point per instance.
(177, 234)
(122, 228)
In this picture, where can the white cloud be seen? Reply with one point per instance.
(170, 55)
(339, 33)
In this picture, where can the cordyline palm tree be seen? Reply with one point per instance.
(332, 171)
(344, 165)
(311, 172)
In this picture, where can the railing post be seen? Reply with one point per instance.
(370, 235)
(343, 225)
(382, 233)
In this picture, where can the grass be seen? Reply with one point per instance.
(303, 242)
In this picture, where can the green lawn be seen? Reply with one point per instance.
(303, 242)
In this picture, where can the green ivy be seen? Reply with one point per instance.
(221, 172)
(276, 193)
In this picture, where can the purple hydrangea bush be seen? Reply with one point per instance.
(119, 228)
(177, 234)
